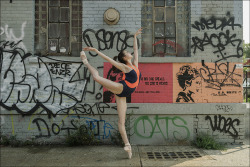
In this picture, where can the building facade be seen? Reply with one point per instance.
(190, 56)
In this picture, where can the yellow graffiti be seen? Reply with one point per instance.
(12, 122)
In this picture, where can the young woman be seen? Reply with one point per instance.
(122, 89)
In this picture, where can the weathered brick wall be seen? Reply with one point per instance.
(41, 96)
(216, 37)
(216, 23)
(17, 23)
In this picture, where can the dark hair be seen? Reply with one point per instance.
(120, 59)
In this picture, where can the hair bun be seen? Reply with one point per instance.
(115, 58)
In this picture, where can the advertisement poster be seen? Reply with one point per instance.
(155, 85)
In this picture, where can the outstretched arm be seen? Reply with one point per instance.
(118, 65)
(136, 57)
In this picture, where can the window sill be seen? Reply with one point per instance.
(49, 59)
(166, 59)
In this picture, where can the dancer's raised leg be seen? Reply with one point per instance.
(114, 87)
(121, 109)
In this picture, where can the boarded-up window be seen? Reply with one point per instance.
(58, 27)
(166, 28)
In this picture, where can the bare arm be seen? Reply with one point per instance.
(118, 65)
(136, 57)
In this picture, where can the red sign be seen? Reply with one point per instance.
(155, 85)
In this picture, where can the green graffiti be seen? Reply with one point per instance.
(156, 125)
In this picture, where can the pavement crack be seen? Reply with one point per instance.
(139, 155)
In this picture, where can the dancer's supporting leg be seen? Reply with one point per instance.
(115, 88)
(121, 109)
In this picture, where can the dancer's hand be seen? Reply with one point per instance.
(138, 32)
(90, 49)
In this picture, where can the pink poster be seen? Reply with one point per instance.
(156, 85)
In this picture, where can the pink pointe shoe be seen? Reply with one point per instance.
(128, 149)
(84, 57)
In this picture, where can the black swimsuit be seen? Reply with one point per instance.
(130, 81)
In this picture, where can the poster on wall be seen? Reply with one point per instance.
(156, 85)
(207, 83)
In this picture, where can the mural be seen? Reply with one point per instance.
(207, 83)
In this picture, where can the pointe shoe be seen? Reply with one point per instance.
(128, 149)
(84, 57)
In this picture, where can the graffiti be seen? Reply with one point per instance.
(224, 125)
(221, 46)
(27, 88)
(106, 40)
(225, 108)
(215, 23)
(98, 108)
(185, 76)
(10, 36)
(144, 122)
(102, 129)
(219, 76)
(208, 82)
(219, 41)
(60, 69)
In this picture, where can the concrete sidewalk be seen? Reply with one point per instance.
(106, 155)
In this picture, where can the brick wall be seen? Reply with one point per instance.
(17, 23)
(50, 92)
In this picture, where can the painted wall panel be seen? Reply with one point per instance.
(207, 83)
(155, 85)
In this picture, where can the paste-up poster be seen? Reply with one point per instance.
(155, 85)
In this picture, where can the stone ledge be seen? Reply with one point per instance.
(168, 109)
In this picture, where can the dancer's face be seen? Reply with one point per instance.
(127, 56)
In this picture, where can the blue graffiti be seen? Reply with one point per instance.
(96, 126)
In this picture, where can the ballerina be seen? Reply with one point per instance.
(122, 89)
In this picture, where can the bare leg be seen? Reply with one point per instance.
(113, 87)
(121, 109)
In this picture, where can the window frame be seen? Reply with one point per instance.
(70, 30)
(41, 28)
(154, 54)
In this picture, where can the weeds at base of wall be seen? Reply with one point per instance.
(84, 135)
(14, 142)
(205, 141)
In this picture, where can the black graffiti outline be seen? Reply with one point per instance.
(211, 23)
(213, 73)
(39, 128)
(105, 40)
(228, 124)
(200, 43)
(31, 94)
